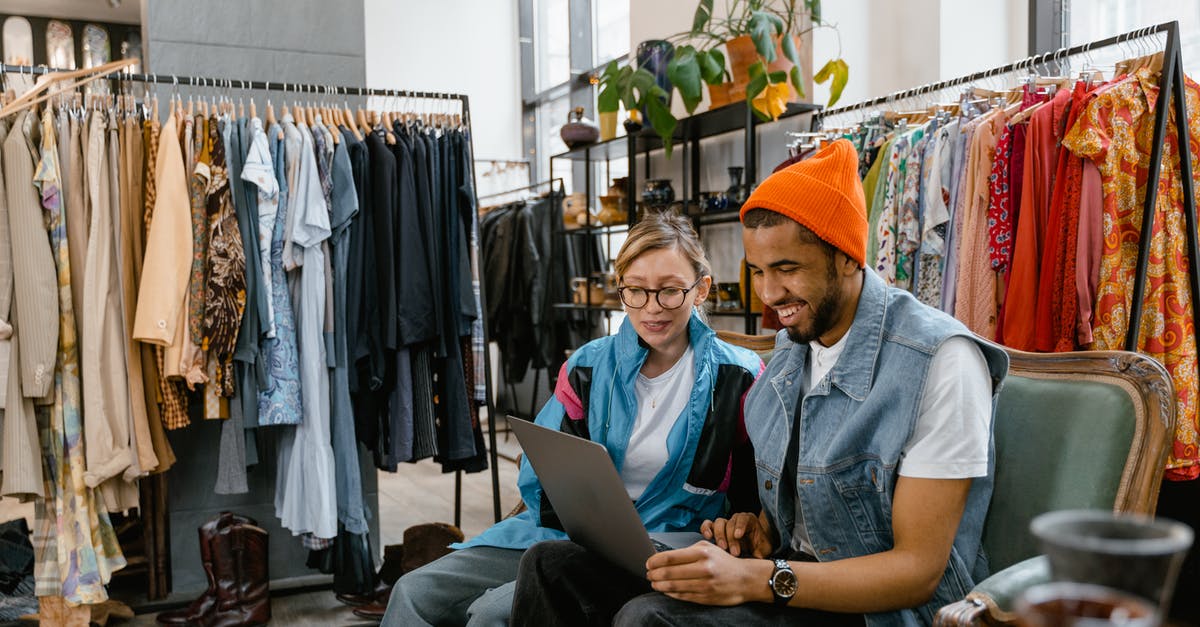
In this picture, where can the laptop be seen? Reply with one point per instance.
(590, 498)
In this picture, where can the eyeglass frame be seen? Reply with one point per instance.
(656, 292)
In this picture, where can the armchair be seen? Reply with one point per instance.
(1073, 430)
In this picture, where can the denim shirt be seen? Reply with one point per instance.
(856, 422)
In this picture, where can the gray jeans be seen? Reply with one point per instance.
(471, 586)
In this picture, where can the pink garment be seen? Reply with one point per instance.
(975, 300)
(1089, 248)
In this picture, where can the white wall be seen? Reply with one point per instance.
(459, 46)
(888, 45)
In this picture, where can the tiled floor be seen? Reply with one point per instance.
(419, 493)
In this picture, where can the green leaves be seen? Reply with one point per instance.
(840, 72)
(712, 66)
(797, 80)
(661, 119)
(758, 82)
(684, 72)
(763, 25)
(814, 9)
(704, 11)
(609, 98)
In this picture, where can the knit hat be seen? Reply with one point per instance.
(823, 193)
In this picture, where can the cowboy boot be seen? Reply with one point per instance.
(242, 577)
(195, 612)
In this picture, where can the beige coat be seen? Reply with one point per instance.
(22, 453)
(168, 250)
(34, 279)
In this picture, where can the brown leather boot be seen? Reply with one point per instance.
(196, 612)
(242, 577)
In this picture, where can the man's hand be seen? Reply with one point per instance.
(742, 534)
(705, 574)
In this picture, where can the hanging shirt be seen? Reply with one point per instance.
(1115, 132)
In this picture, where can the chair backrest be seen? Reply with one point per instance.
(763, 345)
(1075, 430)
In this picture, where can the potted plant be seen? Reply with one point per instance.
(637, 89)
(760, 36)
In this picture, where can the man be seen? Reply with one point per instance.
(872, 435)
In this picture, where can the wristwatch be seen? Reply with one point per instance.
(782, 582)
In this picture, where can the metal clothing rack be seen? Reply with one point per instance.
(1171, 94)
(325, 91)
(550, 182)
(556, 185)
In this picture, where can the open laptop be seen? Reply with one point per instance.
(590, 498)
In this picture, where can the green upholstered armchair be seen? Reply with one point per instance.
(1086, 430)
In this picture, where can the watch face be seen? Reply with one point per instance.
(783, 583)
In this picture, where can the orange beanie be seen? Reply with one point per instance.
(823, 193)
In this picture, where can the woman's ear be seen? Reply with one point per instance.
(702, 289)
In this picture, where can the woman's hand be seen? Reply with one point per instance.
(741, 534)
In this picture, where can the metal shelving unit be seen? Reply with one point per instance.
(688, 134)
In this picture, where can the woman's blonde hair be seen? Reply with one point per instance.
(663, 230)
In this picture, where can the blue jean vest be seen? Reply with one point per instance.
(855, 423)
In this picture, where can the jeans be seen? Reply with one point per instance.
(471, 586)
(562, 583)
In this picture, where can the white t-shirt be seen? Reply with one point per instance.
(950, 440)
(661, 401)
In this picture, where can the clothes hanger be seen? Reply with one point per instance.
(36, 95)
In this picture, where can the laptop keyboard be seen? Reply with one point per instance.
(659, 547)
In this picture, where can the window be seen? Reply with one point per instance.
(1097, 19)
(550, 118)
(552, 43)
(590, 32)
(611, 37)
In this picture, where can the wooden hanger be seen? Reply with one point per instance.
(253, 112)
(36, 95)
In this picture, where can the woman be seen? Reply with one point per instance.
(664, 395)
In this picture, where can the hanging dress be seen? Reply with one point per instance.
(78, 548)
(279, 392)
(305, 498)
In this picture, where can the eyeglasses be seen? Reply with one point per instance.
(667, 297)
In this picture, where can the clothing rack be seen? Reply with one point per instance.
(318, 90)
(1170, 28)
(550, 182)
(537, 372)
(1171, 93)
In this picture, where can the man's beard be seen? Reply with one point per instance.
(824, 316)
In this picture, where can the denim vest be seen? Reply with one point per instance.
(856, 422)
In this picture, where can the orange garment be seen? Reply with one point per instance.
(1116, 131)
(1041, 160)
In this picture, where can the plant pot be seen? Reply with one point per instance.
(741, 54)
(719, 96)
(783, 64)
(608, 125)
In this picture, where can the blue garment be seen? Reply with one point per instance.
(694, 483)
(345, 447)
(279, 394)
(855, 423)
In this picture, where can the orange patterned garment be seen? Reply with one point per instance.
(1116, 131)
